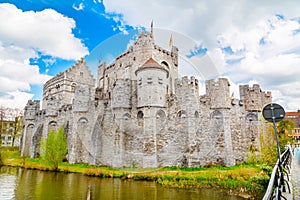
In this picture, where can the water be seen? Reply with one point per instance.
(18, 183)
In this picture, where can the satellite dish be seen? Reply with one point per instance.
(273, 112)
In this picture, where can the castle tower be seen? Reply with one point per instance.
(151, 84)
(144, 45)
(253, 98)
(218, 92)
(30, 126)
(31, 109)
(151, 96)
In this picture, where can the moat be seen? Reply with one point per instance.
(18, 183)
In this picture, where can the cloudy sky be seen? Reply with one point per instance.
(247, 41)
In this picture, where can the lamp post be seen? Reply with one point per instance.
(275, 113)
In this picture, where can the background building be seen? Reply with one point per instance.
(11, 122)
(295, 117)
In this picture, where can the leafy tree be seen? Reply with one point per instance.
(268, 153)
(54, 148)
(17, 129)
(283, 126)
(2, 114)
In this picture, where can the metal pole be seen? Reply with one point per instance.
(281, 183)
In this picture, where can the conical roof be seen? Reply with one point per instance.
(151, 63)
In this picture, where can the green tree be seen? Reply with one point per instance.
(2, 114)
(17, 129)
(268, 153)
(54, 148)
(283, 126)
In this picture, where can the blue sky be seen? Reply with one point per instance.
(246, 41)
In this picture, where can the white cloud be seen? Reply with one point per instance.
(15, 99)
(79, 7)
(202, 20)
(46, 31)
(261, 38)
(28, 35)
(270, 56)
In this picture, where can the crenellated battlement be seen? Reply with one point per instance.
(218, 92)
(188, 83)
(253, 97)
(31, 109)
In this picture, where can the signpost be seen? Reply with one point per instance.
(275, 113)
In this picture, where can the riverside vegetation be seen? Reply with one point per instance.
(247, 180)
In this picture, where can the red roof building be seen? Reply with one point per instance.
(295, 117)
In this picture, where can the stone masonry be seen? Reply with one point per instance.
(139, 113)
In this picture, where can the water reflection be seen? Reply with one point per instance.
(17, 183)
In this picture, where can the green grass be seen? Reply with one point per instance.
(247, 180)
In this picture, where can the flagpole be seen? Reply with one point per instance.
(152, 27)
(171, 41)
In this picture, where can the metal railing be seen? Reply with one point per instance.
(278, 183)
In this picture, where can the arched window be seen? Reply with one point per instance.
(31, 126)
(165, 64)
(196, 114)
(182, 114)
(73, 85)
(161, 115)
(160, 119)
(251, 117)
(140, 115)
(126, 116)
(216, 115)
(82, 120)
(52, 126)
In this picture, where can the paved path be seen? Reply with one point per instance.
(295, 178)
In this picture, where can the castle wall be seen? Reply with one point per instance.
(121, 94)
(115, 123)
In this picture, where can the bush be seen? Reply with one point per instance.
(54, 148)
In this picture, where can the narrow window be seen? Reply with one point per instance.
(160, 80)
(149, 80)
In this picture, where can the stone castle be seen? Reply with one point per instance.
(140, 113)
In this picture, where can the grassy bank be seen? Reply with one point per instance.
(245, 180)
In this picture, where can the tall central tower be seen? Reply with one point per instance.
(151, 84)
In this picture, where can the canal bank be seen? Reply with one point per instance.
(20, 183)
(248, 181)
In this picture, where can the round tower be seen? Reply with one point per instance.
(151, 84)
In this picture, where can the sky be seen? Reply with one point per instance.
(246, 41)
